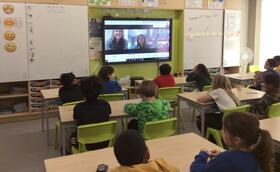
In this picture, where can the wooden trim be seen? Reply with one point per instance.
(5, 96)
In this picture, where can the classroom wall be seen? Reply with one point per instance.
(147, 70)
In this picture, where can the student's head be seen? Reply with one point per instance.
(242, 131)
(147, 89)
(220, 81)
(91, 87)
(67, 79)
(201, 69)
(141, 40)
(165, 69)
(106, 73)
(277, 59)
(270, 64)
(272, 83)
(117, 34)
(130, 148)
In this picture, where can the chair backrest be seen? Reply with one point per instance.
(71, 103)
(207, 88)
(254, 68)
(158, 129)
(112, 97)
(244, 108)
(169, 93)
(95, 133)
(274, 110)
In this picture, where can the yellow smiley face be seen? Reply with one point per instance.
(10, 47)
(9, 35)
(8, 8)
(9, 22)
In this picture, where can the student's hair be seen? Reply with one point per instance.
(277, 58)
(220, 81)
(272, 63)
(67, 79)
(105, 71)
(272, 79)
(148, 89)
(201, 69)
(247, 127)
(165, 69)
(130, 148)
(91, 87)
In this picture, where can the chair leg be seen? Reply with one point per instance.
(56, 142)
(124, 124)
(182, 120)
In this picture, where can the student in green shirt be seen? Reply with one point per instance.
(150, 109)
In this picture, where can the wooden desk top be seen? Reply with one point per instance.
(53, 93)
(66, 112)
(273, 126)
(178, 150)
(178, 80)
(243, 94)
(241, 77)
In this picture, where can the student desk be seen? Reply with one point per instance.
(241, 79)
(50, 96)
(272, 125)
(179, 81)
(67, 121)
(245, 95)
(179, 150)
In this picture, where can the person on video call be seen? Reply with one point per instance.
(117, 42)
(141, 42)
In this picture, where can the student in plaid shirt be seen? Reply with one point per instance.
(272, 95)
(150, 109)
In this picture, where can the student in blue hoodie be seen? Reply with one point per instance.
(250, 148)
(106, 73)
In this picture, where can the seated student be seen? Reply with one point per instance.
(69, 92)
(270, 64)
(150, 109)
(272, 95)
(92, 110)
(277, 59)
(165, 79)
(201, 76)
(250, 148)
(133, 155)
(224, 98)
(106, 73)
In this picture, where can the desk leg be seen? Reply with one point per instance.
(62, 137)
(178, 115)
(47, 125)
(42, 115)
(202, 115)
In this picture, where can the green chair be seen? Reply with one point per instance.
(274, 110)
(95, 133)
(254, 68)
(205, 88)
(57, 124)
(159, 129)
(217, 134)
(170, 94)
(112, 97)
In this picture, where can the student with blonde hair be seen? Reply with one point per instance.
(150, 109)
(224, 98)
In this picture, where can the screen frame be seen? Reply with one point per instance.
(133, 19)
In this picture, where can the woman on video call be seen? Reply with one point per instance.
(117, 42)
(141, 42)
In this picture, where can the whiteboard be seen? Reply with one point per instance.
(14, 64)
(232, 30)
(57, 40)
(203, 38)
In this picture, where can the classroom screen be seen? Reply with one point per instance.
(136, 40)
